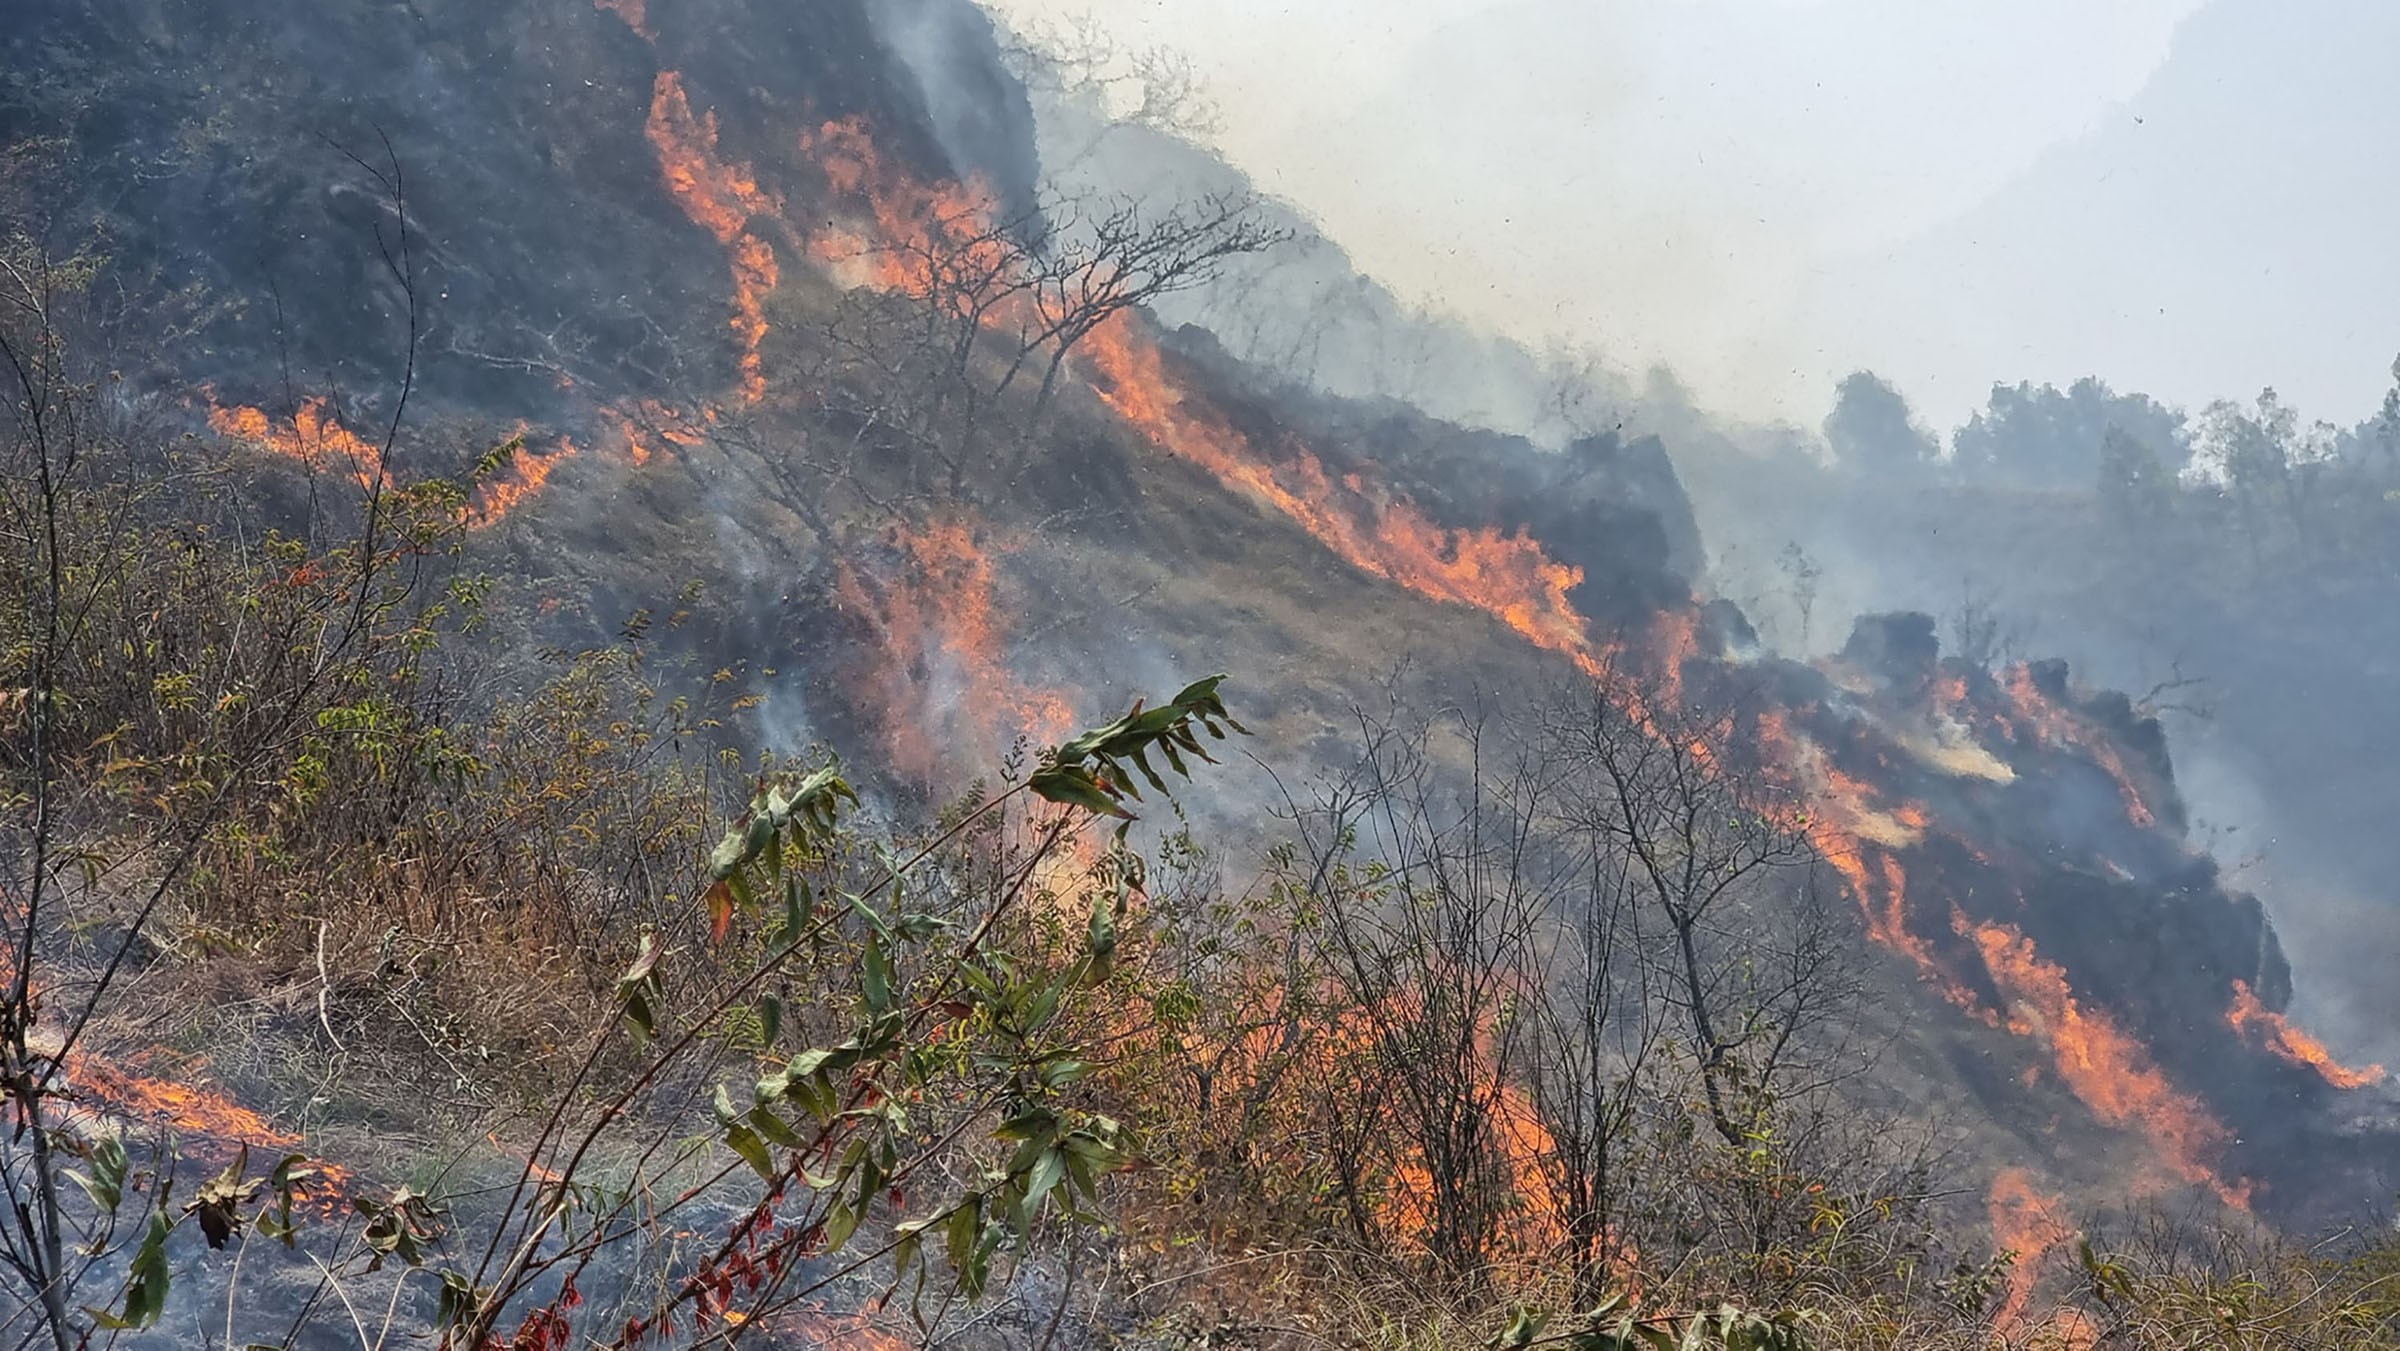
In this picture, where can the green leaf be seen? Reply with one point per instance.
(770, 1019)
(875, 977)
(1604, 1308)
(218, 1206)
(400, 1227)
(1523, 1328)
(840, 1224)
(461, 1301)
(1075, 786)
(1044, 1005)
(772, 1128)
(145, 1284)
(105, 1184)
(1092, 771)
(744, 1141)
(1060, 1073)
(808, 812)
(1100, 940)
(965, 1227)
(639, 989)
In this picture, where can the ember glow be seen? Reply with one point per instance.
(2255, 1020)
(2107, 1070)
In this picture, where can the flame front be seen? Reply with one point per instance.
(519, 480)
(2056, 726)
(2031, 1224)
(315, 438)
(722, 198)
(180, 1105)
(1511, 577)
(1505, 575)
(2109, 1071)
(193, 1114)
(2251, 1018)
(944, 652)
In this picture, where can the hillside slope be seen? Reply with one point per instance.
(668, 259)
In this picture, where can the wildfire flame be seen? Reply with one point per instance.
(915, 232)
(938, 622)
(646, 423)
(1525, 1150)
(721, 198)
(914, 223)
(180, 1105)
(635, 13)
(315, 438)
(2252, 1018)
(853, 1332)
(2056, 726)
(2030, 1224)
(519, 480)
(193, 1113)
(1505, 575)
(1510, 577)
(2107, 1070)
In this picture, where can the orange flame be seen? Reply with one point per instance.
(2252, 1018)
(721, 198)
(519, 480)
(2029, 1224)
(647, 422)
(941, 629)
(533, 1166)
(634, 12)
(1510, 577)
(192, 1111)
(1505, 575)
(315, 438)
(1856, 839)
(180, 1105)
(2107, 1070)
(854, 1332)
(921, 233)
(2056, 726)
(1525, 1148)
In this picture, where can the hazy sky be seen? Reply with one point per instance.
(1744, 189)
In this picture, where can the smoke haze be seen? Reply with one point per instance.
(1763, 196)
